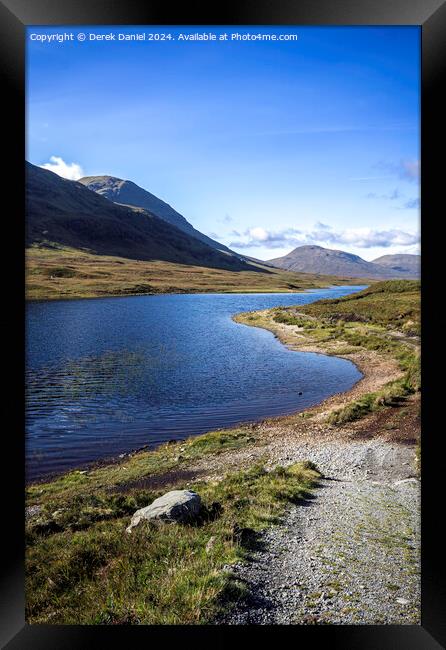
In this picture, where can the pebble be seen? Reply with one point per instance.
(331, 548)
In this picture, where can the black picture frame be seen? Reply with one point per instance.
(431, 16)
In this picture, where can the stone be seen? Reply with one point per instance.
(32, 511)
(175, 506)
(406, 481)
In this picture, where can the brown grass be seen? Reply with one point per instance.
(68, 273)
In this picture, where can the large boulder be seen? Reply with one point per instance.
(175, 506)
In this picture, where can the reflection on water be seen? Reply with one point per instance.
(106, 376)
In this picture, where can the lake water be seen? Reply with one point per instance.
(106, 376)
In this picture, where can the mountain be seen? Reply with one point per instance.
(404, 263)
(316, 259)
(128, 193)
(60, 211)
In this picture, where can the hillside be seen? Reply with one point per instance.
(128, 193)
(393, 303)
(316, 259)
(81, 245)
(409, 264)
(66, 213)
(61, 272)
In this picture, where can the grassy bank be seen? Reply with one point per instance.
(383, 319)
(82, 568)
(68, 273)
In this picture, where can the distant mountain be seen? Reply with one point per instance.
(128, 193)
(403, 262)
(60, 211)
(316, 259)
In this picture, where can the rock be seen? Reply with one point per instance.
(402, 601)
(210, 544)
(32, 511)
(175, 506)
(407, 480)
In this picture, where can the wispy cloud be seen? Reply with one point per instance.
(406, 169)
(410, 169)
(323, 234)
(393, 196)
(369, 178)
(327, 129)
(72, 171)
(412, 204)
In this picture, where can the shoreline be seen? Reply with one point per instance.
(193, 291)
(237, 318)
(66, 274)
(350, 556)
(369, 364)
(118, 458)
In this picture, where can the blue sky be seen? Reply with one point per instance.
(264, 145)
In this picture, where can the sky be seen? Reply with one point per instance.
(264, 145)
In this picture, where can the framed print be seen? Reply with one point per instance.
(223, 417)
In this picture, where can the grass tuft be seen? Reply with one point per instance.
(89, 571)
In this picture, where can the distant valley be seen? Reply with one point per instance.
(108, 237)
(104, 236)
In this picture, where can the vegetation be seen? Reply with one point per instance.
(384, 318)
(393, 394)
(392, 303)
(136, 467)
(61, 272)
(85, 570)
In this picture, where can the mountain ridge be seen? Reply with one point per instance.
(127, 192)
(400, 261)
(65, 212)
(316, 259)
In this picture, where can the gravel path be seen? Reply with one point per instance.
(350, 555)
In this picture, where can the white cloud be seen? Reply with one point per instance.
(72, 171)
(324, 235)
(258, 234)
